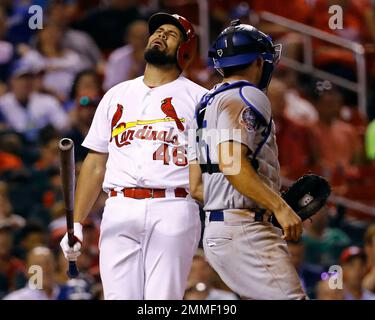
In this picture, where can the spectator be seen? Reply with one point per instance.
(323, 244)
(7, 217)
(75, 40)
(82, 114)
(188, 9)
(107, 24)
(354, 28)
(18, 29)
(86, 82)
(308, 273)
(49, 153)
(298, 109)
(30, 236)
(77, 289)
(80, 8)
(27, 111)
(370, 20)
(10, 150)
(292, 139)
(43, 257)
(61, 276)
(86, 90)
(297, 10)
(52, 195)
(324, 292)
(370, 26)
(6, 53)
(369, 240)
(10, 266)
(332, 131)
(127, 62)
(23, 192)
(331, 58)
(353, 262)
(60, 65)
(200, 282)
(57, 227)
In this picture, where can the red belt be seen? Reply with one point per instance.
(145, 193)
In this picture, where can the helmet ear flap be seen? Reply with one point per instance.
(186, 52)
(266, 75)
(270, 59)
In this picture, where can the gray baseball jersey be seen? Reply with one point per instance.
(249, 255)
(243, 115)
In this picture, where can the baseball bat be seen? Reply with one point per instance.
(67, 173)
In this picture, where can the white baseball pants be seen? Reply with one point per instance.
(147, 246)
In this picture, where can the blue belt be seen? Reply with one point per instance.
(218, 215)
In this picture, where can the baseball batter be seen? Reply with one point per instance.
(237, 175)
(138, 140)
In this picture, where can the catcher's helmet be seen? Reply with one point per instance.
(187, 48)
(241, 44)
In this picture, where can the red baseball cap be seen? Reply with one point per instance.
(352, 252)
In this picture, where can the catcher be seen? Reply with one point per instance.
(234, 172)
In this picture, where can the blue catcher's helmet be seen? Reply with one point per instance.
(241, 44)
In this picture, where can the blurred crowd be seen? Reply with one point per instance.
(52, 79)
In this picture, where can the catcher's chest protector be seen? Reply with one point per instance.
(264, 156)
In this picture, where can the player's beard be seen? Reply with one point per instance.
(159, 58)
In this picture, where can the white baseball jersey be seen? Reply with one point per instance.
(144, 130)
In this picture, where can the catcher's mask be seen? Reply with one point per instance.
(187, 48)
(241, 44)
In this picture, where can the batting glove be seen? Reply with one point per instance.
(72, 253)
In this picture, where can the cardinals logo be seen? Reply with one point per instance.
(124, 132)
(170, 112)
(116, 118)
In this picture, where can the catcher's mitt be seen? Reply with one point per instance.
(306, 196)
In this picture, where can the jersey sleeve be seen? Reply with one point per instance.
(242, 118)
(99, 134)
(237, 122)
